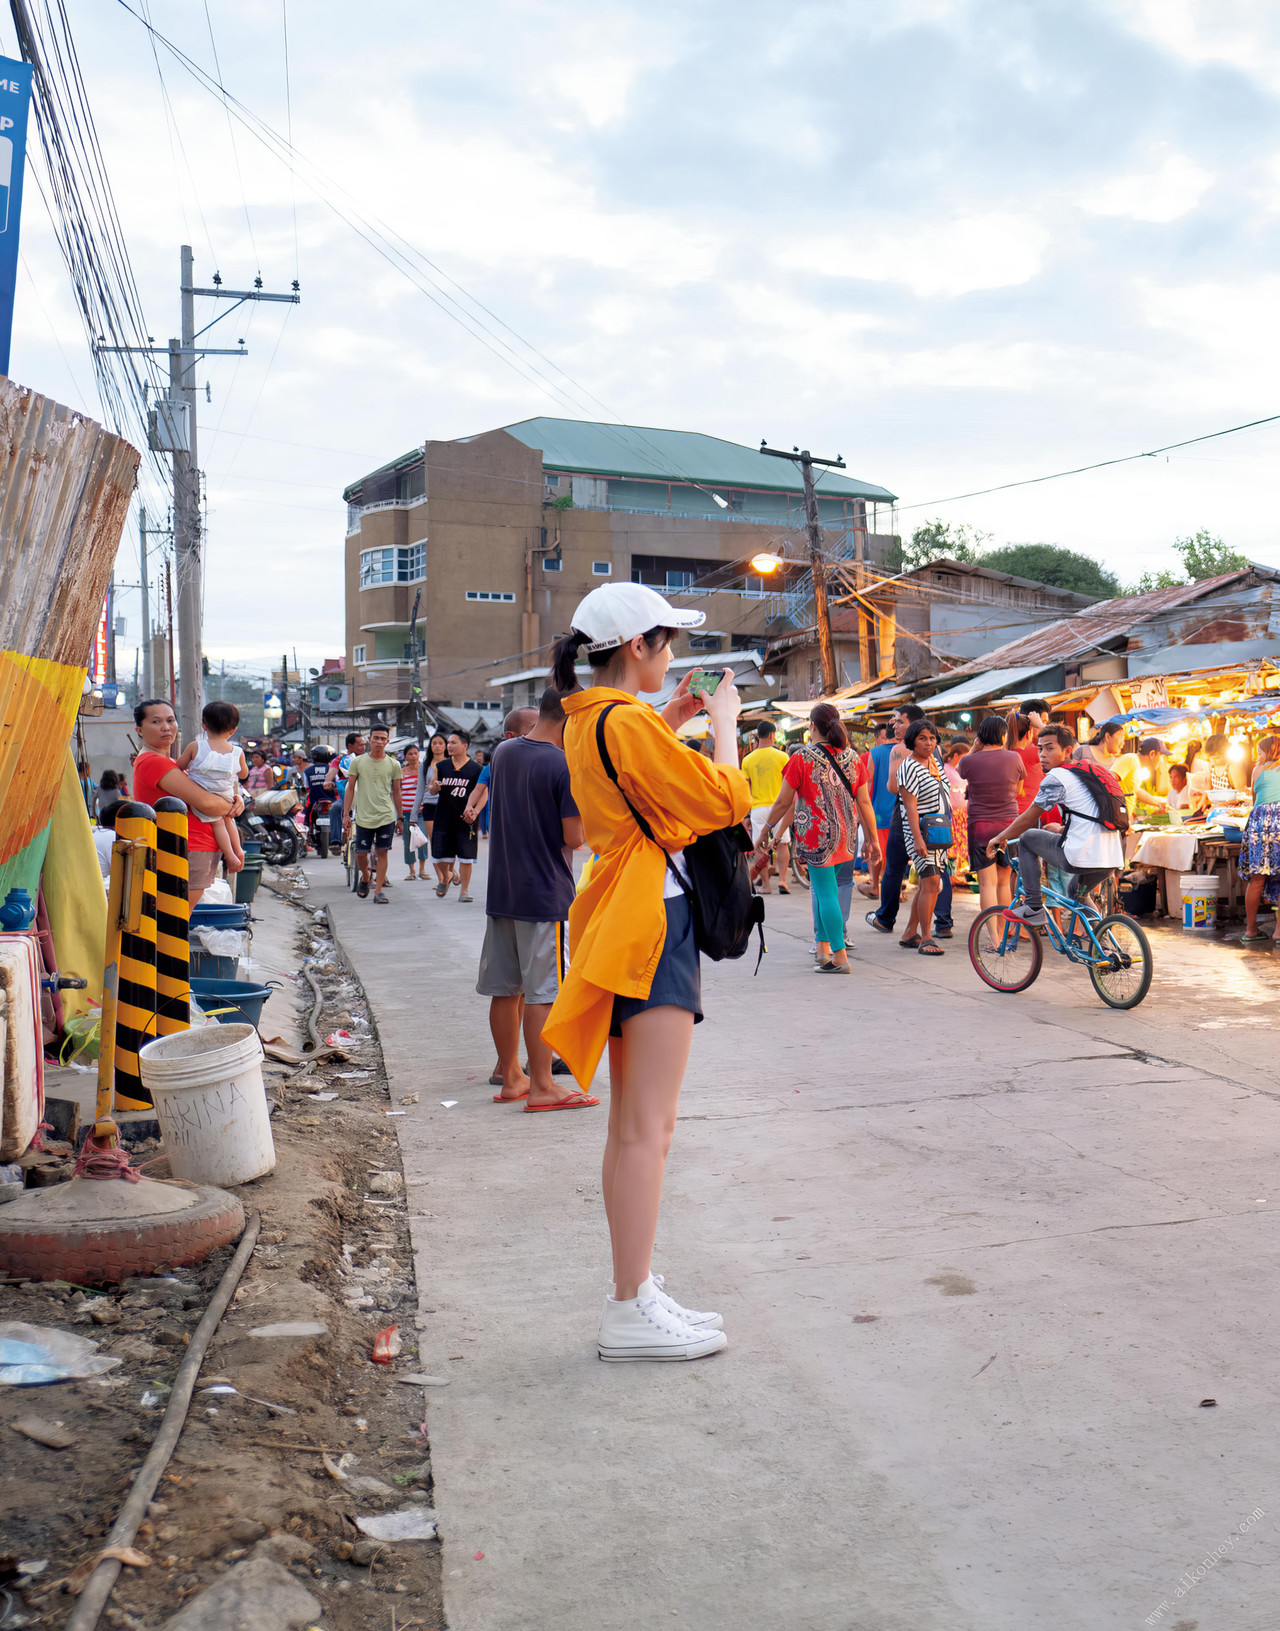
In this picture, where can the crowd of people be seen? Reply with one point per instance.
(610, 961)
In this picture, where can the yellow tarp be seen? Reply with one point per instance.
(73, 893)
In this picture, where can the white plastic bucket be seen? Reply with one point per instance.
(209, 1098)
(1199, 900)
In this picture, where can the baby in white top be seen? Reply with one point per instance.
(216, 763)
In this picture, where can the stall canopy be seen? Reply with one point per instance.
(978, 687)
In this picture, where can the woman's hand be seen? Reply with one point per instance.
(724, 705)
(682, 705)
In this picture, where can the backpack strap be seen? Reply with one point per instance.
(1083, 778)
(603, 748)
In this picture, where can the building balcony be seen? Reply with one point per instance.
(356, 512)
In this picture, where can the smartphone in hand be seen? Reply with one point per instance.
(702, 684)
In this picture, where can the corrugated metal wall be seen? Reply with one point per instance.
(65, 485)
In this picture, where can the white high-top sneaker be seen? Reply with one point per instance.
(644, 1329)
(653, 1287)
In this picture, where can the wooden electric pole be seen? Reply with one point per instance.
(817, 565)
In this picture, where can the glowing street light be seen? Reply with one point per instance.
(766, 563)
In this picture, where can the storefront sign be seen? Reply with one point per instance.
(15, 99)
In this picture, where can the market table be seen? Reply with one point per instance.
(1177, 851)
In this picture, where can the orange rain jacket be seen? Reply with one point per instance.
(618, 923)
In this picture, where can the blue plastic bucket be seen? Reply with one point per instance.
(234, 915)
(242, 999)
(204, 966)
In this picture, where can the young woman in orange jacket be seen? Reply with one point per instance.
(633, 979)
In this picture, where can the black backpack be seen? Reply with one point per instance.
(719, 888)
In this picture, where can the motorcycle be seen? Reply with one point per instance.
(270, 823)
(318, 824)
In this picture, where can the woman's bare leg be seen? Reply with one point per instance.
(1252, 901)
(646, 1069)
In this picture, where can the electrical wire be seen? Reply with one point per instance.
(425, 274)
(231, 134)
(1102, 464)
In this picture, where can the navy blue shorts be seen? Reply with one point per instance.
(677, 980)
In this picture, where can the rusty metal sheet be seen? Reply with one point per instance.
(1100, 627)
(65, 485)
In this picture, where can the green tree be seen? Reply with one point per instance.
(935, 540)
(1050, 563)
(1204, 556)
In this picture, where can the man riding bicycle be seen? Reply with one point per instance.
(1086, 842)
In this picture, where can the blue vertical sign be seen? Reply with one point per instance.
(15, 100)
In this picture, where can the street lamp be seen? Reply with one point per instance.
(766, 563)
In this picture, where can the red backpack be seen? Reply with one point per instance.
(1107, 794)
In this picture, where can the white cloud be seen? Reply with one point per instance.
(1168, 189)
(936, 260)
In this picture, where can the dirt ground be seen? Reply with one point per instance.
(248, 1475)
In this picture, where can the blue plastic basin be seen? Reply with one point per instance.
(242, 999)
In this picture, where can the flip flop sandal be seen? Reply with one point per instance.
(512, 1098)
(944, 934)
(380, 899)
(783, 890)
(1254, 939)
(911, 943)
(931, 948)
(465, 900)
(575, 1101)
(442, 889)
(875, 923)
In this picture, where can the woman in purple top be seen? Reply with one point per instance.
(992, 776)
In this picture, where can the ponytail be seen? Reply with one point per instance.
(563, 659)
(825, 720)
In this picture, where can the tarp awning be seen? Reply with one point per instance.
(979, 686)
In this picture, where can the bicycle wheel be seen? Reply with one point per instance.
(1125, 978)
(1007, 956)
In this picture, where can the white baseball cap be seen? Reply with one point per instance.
(617, 612)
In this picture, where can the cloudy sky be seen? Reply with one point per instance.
(959, 243)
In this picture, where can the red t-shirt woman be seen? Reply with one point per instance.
(156, 776)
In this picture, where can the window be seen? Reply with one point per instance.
(377, 566)
(482, 707)
(357, 654)
(602, 569)
(553, 563)
(411, 484)
(705, 642)
(679, 580)
(405, 564)
(490, 594)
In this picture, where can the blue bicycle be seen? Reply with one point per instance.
(1008, 956)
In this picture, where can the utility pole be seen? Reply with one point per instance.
(817, 564)
(146, 603)
(168, 600)
(415, 686)
(171, 436)
(284, 693)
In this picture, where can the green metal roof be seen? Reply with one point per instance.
(404, 461)
(641, 452)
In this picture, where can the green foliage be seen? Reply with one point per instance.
(1050, 563)
(1204, 556)
(563, 503)
(932, 541)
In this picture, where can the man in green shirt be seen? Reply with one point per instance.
(373, 788)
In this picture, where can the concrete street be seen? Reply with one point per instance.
(980, 1259)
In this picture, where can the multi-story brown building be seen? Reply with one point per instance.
(506, 531)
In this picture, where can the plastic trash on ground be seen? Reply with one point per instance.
(31, 1355)
(386, 1345)
(410, 1523)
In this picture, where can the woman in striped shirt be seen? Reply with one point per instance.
(414, 852)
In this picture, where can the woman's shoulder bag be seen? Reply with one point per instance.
(719, 886)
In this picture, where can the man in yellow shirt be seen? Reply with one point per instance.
(1142, 776)
(763, 768)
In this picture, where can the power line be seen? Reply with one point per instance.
(1102, 464)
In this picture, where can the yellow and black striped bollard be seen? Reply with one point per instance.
(173, 919)
(136, 994)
